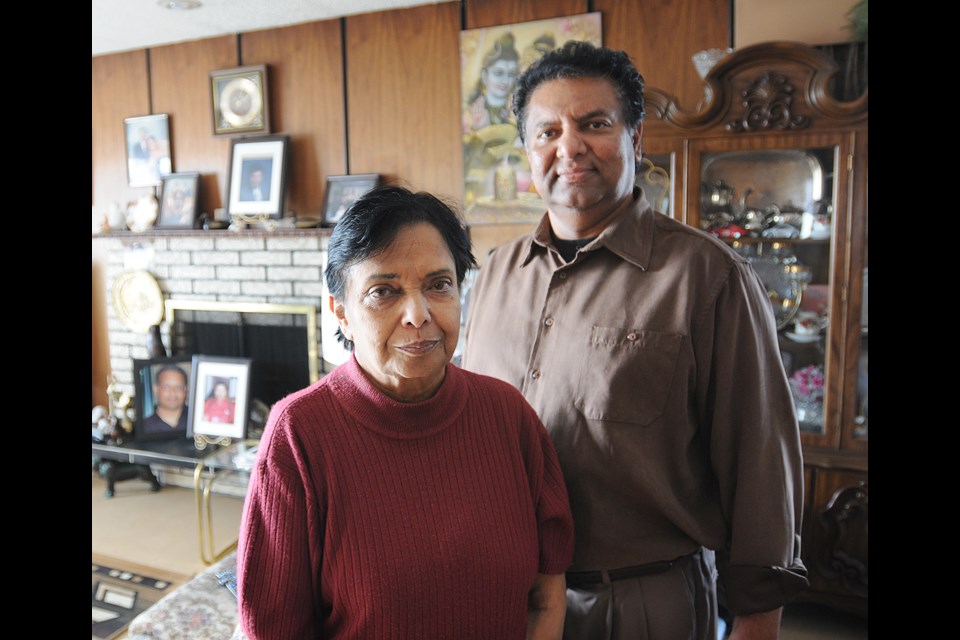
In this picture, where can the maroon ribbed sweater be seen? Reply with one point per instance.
(370, 518)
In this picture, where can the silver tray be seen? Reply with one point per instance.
(776, 177)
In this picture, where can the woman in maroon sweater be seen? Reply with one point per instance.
(400, 496)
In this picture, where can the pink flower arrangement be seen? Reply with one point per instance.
(808, 381)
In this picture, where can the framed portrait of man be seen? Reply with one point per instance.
(162, 393)
(257, 179)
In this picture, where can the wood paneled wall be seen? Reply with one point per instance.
(661, 38)
(179, 81)
(395, 112)
(403, 88)
(120, 90)
(371, 93)
(305, 82)
(490, 13)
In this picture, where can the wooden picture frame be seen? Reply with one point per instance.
(147, 140)
(342, 191)
(240, 101)
(219, 399)
(263, 156)
(179, 193)
(158, 390)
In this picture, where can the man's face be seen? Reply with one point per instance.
(256, 177)
(582, 155)
(171, 390)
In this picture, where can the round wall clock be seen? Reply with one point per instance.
(240, 101)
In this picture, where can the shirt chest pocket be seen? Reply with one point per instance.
(627, 374)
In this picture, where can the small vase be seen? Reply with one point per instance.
(505, 181)
(809, 410)
(155, 343)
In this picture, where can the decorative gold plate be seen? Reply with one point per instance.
(138, 300)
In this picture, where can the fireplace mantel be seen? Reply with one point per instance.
(320, 232)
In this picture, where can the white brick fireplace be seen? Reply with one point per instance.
(280, 267)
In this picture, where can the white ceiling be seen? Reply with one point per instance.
(123, 25)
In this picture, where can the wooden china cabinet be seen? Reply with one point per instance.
(772, 163)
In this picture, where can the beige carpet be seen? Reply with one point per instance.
(158, 529)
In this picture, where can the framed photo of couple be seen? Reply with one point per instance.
(178, 201)
(147, 140)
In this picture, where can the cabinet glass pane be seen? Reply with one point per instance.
(861, 421)
(776, 208)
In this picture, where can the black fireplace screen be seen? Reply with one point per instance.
(280, 339)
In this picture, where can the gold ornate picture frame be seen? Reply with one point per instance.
(240, 101)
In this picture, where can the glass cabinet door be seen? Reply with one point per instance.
(655, 177)
(657, 173)
(780, 204)
(855, 414)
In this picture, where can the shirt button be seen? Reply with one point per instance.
(548, 322)
(632, 336)
(535, 374)
(562, 275)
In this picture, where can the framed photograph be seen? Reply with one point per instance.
(342, 191)
(148, 149)
(178, 201)
(220, 397)
(162, 391)
(256, 183)
(240, 101)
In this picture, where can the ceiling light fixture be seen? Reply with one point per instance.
(179, 5)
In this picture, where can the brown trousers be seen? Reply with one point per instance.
(678, 604)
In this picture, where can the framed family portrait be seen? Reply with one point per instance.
(178, 201)
(147, 140)
(256, 182)
(220, 397)
(342, 191)
(239, 98)
(162, 392)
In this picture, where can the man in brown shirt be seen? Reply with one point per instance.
(649, 350)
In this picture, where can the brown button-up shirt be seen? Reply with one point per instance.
(652, 360)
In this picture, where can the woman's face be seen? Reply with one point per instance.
(220, 391)
(402, 311)
(499, 78)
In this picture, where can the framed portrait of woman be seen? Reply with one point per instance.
(219, 398)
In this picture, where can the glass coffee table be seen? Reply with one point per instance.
(210, 465)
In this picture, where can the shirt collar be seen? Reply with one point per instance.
(630, 236)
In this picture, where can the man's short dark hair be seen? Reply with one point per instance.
(174, 368)
(577, 59)
(373, 222)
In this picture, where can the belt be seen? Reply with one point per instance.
(577, 578)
